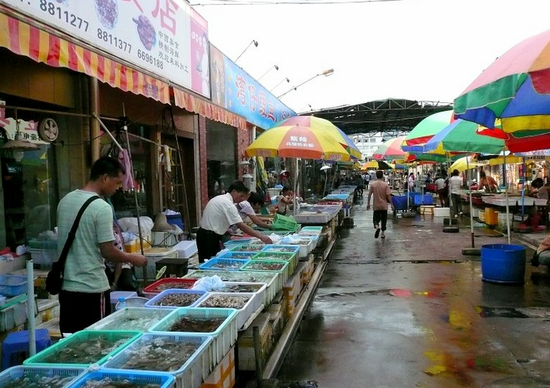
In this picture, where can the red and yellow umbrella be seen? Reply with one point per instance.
(319, 124)
(297, 141)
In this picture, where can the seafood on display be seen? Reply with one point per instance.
(162, 353)
(177, 299)
(198, 325)
(108, 382)
(226, 301)
(31, 379)
(85, 351)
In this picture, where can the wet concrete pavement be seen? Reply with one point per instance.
(412, 311)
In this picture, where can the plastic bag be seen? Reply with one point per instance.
(209, 283)
(130, 224)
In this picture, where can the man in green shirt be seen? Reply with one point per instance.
(84, 298)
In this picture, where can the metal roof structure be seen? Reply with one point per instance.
(392, 117)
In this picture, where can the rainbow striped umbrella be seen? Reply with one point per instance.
(514, 88)
(390, 149)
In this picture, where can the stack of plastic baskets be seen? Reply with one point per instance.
(281, 222)
(224, 336)
(136, 378)
(189, 371)
(57, 377)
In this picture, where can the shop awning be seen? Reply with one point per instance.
(213, 112)
(47, 48)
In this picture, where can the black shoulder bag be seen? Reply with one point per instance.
(54, 281)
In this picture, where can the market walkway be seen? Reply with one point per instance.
(412, 311)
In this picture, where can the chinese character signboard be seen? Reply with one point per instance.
(238, 92)
(156, 35)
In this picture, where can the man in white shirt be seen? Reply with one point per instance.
(219, 214)
(455, 183)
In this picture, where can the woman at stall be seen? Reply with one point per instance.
(487, 182)
(284, 201)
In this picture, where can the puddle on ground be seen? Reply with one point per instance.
(500, 312)
(299, 384)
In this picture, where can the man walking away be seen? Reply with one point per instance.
(381, 193)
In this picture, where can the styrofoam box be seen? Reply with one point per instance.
(224, 337)
(304, 249)
(153, 255)
(253, 304)
(442, 212)
(193, 371)
(12, 316)
(43, 257)
(186, 248)
(131, 318)
(271, 279)
(261, 292)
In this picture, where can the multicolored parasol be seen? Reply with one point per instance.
(390, 149)
(514, 88)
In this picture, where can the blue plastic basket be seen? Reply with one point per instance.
(153, 302)
(247, 248)
(17, 373)
(164, 380)
(13, 285)
(225, 336)
(225, 264)
(192, 371)
(48, 357)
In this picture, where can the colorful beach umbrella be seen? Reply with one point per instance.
(427, 128)
(520, 141)
(514, 88)
(463, 136)
(390, 149)
(319, 124)
(295, 141)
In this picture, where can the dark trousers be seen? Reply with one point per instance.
(456, 200)
(380, 217)
(208, 244)
(78, 310)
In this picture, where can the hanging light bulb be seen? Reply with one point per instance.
(18, 155)
(18, 146)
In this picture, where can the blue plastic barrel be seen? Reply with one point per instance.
(503, 263)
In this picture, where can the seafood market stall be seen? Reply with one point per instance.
(232, 318)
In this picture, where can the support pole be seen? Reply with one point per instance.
(31, 308)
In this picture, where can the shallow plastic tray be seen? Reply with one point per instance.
(129, 319)
(41, 358)
(164, 380)
(224, 264)
(253, 304)
(292, 257)
(16, 373)
(273, 285)
(247, 248)
(154, 288)
(235, 255)
(192, 372)
(283, 271)
(152, 303)
(224, 337)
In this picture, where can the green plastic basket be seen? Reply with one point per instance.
(50, 356)
(281, 222)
